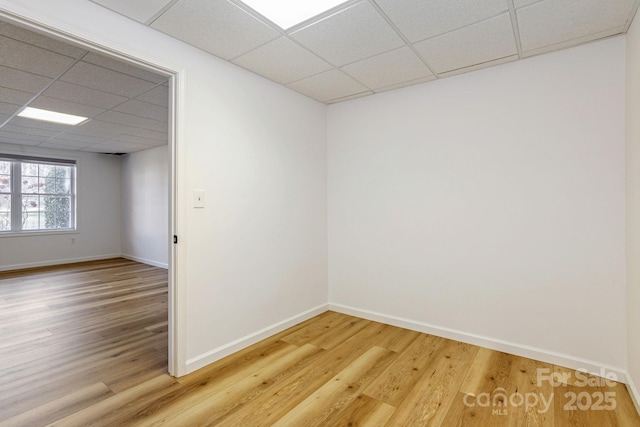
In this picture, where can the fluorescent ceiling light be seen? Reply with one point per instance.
(287, 13)
(51, 116)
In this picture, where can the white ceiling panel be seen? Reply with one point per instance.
(132, 121)
(71, 139)
(348, 36)
(83, 95)
(144, 109)
(398, 66)
(37, 124)
(124, 68)
(522, 3)
(25, 57)
(282, 61)
(11, 96)
(483, 42)
(420, 19)
(39, 40)
(555, 21)
(66, 107)
(99, 129)
(95, 77)
(140, 10)
(8, 109)
(46, 133)
(132, 139)
(159, 95)
(114, 147)
(21, 80)
(216, 26)
(405, 84)
(480, 66)
(62, 146)
(149, 134)
(329, 85)
(20, 138)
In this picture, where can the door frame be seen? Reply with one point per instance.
(177, 164)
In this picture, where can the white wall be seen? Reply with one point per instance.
(633, 209)
(489, 207)
(98, 216)
(145, 206)
(255, 259)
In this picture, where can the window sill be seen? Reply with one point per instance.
(37, 233)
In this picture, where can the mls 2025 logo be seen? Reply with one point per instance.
(500, 401)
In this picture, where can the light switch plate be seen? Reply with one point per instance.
(198, 199)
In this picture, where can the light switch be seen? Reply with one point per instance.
(198, 198)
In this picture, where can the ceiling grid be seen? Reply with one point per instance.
(358, 48)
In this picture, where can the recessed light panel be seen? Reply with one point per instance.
(51, 116)
(287, 13)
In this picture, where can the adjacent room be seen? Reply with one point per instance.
(378, 213)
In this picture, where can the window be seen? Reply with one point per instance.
(36, 194)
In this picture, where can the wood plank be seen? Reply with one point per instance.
(398, 380)
(432, 396)
(339, 391)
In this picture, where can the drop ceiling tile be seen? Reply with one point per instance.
(556, 21)
(35, 60)
(33, 131)
(38, 124)
(122, 67)
(149, 134)
(132, 121)
(21, 80)
(282, 61)
(522, 3)
(141, 140)
(405, 84)
(139, 10)
(109, 147)
(350, 35)
(329, 85)
(20, 138)
(144, 109)
(118, 141)
(11, 96)
(482, 42)
(390, 68)
(72, 139)
(66, 107)
(8, 109)
(216, 26)
(347, 98)
(99, 129)
(40, 40)
(62, 146)
(83, 95)
(95, 77)
(159, 95)
(487, 64)
(420, 19)
(574, 42)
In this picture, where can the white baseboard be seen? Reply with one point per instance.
(546, 356)
(633, 392)
(57, 262)
(209, 357)
(146, 261)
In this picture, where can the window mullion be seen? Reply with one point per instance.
(16, 196)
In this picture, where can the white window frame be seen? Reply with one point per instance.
(16, 194)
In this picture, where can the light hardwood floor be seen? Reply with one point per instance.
(85, 344)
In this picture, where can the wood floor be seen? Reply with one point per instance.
(85, 345)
